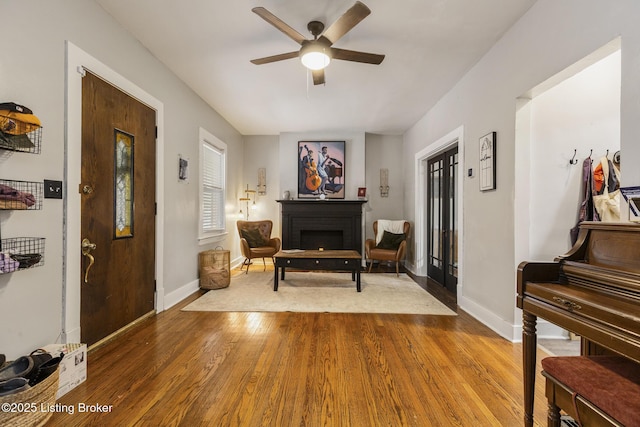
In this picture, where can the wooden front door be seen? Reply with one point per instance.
(118, 209)
(442, 215)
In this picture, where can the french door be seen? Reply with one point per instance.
(442, 213)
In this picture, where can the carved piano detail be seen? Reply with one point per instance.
(593, 291)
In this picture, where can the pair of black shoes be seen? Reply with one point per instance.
(27, 371)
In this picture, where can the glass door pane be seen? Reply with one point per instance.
(442, 212)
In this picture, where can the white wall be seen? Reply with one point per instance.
(31, 301)
(263, 152)
(581, 113)
(550, 37)
(383, 151)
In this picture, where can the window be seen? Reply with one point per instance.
(213, 162)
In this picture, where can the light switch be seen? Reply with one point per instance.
(52, 189)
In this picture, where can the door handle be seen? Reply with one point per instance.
(87, 247)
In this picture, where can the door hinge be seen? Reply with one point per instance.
(155, 208)
(81, 70)
(156, 132)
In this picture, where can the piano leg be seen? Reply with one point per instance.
(529, 343)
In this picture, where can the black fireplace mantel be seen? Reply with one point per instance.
(328, 224)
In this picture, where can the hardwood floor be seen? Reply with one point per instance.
(304, 369)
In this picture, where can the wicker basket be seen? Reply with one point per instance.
(30, 407)
(214, 267)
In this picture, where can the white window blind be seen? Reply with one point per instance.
(212, 209)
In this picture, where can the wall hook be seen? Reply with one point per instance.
(574, 161)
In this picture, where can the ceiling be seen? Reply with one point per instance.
(429, 45)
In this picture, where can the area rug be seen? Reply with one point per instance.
(321, 292)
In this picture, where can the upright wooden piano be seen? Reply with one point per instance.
(593, 291)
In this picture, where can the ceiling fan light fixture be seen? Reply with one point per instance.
(314, 56)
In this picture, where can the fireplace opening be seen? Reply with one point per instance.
(327, 239)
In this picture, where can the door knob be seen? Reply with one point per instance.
(87, 247)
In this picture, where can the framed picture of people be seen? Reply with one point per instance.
(321, 169)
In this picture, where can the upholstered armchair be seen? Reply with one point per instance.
(389, 245)
(256, 241)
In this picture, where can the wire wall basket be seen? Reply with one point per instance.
(21, 195)
(20, 253)
(17, 135)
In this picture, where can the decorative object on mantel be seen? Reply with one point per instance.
(321, 169)
(384, 182)
(362, 192)
(488, 162)
(262, 181)
(247, 198)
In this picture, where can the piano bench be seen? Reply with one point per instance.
(593, 390)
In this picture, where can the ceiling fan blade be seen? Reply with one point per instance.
(278, 23)
(318, 77)
(346, 22)
(274, 58)
(352, 55)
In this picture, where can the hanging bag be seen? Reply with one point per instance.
(587, 211)
(608, 203)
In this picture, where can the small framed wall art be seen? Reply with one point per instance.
(488, 162)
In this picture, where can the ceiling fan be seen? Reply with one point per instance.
(316, 54)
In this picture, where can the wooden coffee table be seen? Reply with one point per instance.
(332, 260)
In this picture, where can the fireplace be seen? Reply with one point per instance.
(314, 239)
(327, 224)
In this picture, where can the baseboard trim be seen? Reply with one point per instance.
(488, 318)
(173, 298)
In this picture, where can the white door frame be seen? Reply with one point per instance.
(76, 62)
(455, 137)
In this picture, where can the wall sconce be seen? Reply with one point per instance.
(262, 181)
(247, 198)
(384, 182)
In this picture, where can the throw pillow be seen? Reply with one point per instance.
(253, 238)
(391, 240)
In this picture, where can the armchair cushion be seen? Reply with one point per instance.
(253, 237)
(391, 241)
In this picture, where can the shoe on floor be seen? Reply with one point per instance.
(18, 368)
(12, 386)
(42, 371)
(25, 366)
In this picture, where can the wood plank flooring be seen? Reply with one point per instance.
(304, 369)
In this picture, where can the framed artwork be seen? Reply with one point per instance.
(488, 162)
(321, 169)
(362, 192)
